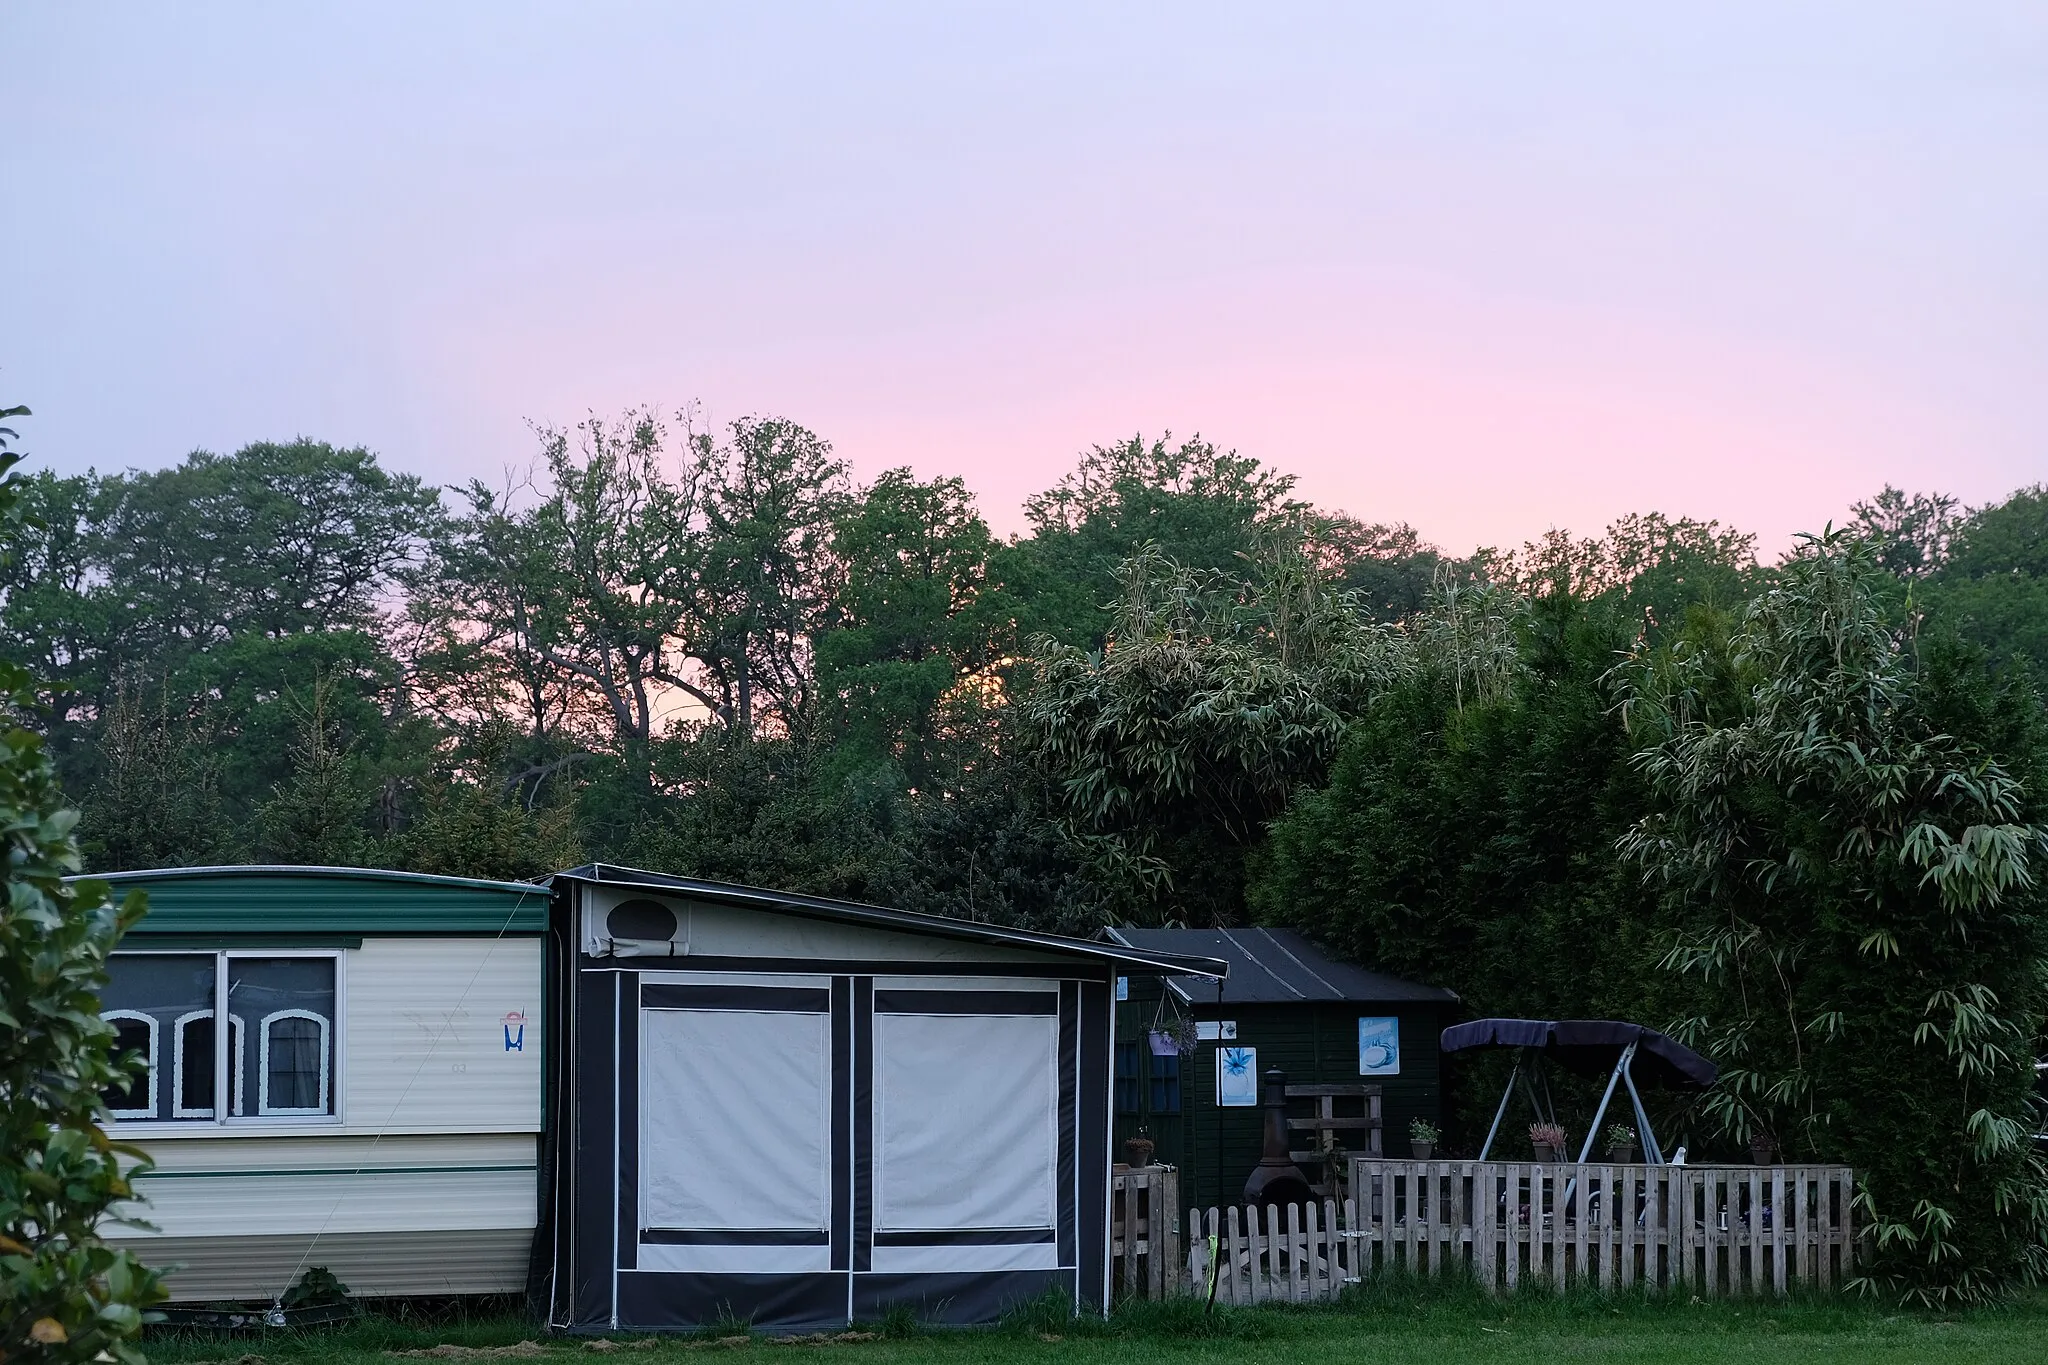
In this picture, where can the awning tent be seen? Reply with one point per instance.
(804, 1113)
(1631, 1056)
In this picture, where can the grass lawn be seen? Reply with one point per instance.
(1393, 1327)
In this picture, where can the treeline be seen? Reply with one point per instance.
(1793, 811)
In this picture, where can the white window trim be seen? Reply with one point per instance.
(150, 1021)
(263, 1105)
(235, 1088)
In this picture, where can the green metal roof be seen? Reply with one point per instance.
(269, 901)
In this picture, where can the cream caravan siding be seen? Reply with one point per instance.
(438, 1035)
(426, 1032)
(244, 1217)
(371, 1264)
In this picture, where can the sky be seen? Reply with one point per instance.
(1485, 269)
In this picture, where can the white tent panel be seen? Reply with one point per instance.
(728, 1260)
(967, 1121)
(735, 1116)
(955, 1259)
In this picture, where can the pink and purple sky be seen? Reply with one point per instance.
(1487, 269)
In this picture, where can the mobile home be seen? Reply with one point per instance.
(373, 1102)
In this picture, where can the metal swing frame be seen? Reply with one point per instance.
(1534, 1079)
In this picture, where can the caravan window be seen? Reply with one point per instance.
(134, 1032)
(287, 1003)
(276, 1060)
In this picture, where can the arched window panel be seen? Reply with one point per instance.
(136, 1097)
(193, 1054)
(289, 1006)
(145, 996)
(292, 1071)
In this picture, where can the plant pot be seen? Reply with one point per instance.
(1763, 1154)
(1545, 1152)
(1138, 1151)
(1622, 1156)
(1421, 1150)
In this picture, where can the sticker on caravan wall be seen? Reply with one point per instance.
(515, 1032)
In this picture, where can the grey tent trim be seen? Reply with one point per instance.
(877, 917)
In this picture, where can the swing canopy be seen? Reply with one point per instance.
(1591, 1047)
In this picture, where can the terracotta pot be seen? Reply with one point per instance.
(1138, 1151)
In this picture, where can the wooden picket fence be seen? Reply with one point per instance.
(1709, 1230)
(1297, 1254)
(1144, 1232)
(1705, 1230)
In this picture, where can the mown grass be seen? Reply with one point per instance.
(1390, 1322)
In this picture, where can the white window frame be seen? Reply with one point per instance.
(148, 1020)
(263, 1104)
(230, 1091)
(179, 1110)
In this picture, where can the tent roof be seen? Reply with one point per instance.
(1277, 966)
(1590, 1047)
(1138, 961)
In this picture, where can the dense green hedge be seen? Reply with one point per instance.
(1804, 840)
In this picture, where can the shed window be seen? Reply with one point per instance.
(1126, 1078)
(1165, 1095)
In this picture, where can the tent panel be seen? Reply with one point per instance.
(1084, 1111)
(966, 1121)
(735, 1119)
(766, 1260)
(656, 1300)
(594, 1170)
(969, 1299)
(929, 1259)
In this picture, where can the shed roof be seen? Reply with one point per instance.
(271, 900)
(1130, 958)
(1278, 967)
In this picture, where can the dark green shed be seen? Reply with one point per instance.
(1331, 1026)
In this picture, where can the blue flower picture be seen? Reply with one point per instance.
(1237, 1077)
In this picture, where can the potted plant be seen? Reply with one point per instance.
(1763, 1148)
(1549, 1141)
(1423, 1137)
(1138, 1149)
(1621, 1143)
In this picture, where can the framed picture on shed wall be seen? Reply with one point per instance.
(1237, 1077)
(1379, 1047)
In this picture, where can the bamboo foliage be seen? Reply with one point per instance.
(1858, 875)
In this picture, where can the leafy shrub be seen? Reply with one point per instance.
(65, 1296)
